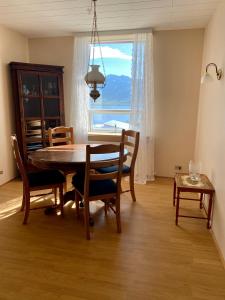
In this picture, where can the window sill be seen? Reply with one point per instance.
(104, 136)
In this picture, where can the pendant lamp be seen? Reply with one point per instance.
(94, 78)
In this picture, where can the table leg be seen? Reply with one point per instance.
(69, 196)
(174, 192)
(201, 197)
(177, 206)
(61, 199)
(77, 201)
(209, 211)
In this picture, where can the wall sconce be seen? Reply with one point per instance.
(207, 76)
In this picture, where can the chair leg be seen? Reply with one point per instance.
(65, 186)
(131, 178)
(27, 206)
(23, 202)
(77, 201)
(106, 207)
(86, 218)
(61, 199)
(118, 222)
(54, 190)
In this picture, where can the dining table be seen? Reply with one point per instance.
(70, 157)
(67, 157)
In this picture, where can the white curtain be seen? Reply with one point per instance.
(79, 93)
(142, 107)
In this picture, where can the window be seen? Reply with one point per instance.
(111, 111)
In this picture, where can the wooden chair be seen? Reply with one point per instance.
(36, 181)
(130, 138)
(61, 136)
(92, 186)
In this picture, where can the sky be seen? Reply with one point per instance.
(117, 58)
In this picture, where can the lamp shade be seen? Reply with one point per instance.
(94, 76)
(206, 77)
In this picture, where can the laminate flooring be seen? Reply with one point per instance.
(49, 258)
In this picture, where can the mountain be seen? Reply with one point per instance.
(117, 88)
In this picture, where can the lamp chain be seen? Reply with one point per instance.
(96, 79)
(95, 38)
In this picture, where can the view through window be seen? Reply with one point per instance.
(111, 111)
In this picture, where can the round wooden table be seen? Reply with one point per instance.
(66, 157)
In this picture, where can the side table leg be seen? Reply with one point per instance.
(201, 197)
(174, 192)
(177, 206)
(209, 211)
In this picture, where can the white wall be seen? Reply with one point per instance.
(177, 66)
(210, 142)
(55, 51)
(13, 47)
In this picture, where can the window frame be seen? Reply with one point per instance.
(109, 40)
(106, 111)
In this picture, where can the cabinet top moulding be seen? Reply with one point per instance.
(35, 67)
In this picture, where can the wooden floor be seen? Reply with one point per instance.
(152, 259)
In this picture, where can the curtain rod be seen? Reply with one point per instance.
(115, 32)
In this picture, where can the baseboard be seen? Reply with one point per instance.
(1, 185)
(218, 248)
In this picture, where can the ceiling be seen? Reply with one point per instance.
(40, 18)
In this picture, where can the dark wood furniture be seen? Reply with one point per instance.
(42, 180)
(67, 157)
(183, 184)
(130, 138)
(38, 102)
(93, 186)
(61, 136)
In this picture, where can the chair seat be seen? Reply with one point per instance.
(43, 178)
(125, 169)
(97, 187)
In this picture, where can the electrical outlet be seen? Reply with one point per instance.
(1, 171)
(178, 168)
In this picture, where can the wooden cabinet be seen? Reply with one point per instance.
(38, 101)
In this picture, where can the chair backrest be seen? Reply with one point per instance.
(60, 135)
(19, 161)
(117, 158)
(131, 138)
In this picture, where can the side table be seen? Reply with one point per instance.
(183, 184)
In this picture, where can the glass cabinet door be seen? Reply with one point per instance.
(50, 85)
(51, 107)
(31, 94)
(32, 107)
(52, 123)
(30, 84)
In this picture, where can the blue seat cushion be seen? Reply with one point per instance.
(125, 169)
(97, 187)
(46, 177)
